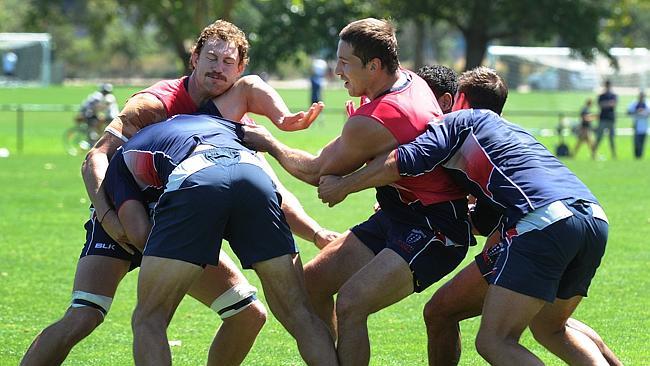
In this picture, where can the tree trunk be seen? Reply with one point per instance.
(476, 42)
(227, 7)
(476, 33)
(419, 43)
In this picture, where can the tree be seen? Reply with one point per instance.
(577, 23)
(177, 21)
(290, 28)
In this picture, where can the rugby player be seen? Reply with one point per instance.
(218, 59)
(540, 206)
(214, 188)
(418, 236)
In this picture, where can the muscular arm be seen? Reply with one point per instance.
(252, 94)
(299, 221)
(379, 172)
(361, 139)
(136, 223)
(141, 110)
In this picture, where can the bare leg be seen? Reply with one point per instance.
(328, 271)
(571, 345)
(609, 355)
(505, 316)
(237, 334)
(95, 274)
(161, 286)
(459, 299)
(288, 301)
(386, 280)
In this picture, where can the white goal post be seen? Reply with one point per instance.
(31, 56)
(559, 68)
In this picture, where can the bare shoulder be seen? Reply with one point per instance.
(368, 133)
(364, 126)
(248, 81)
(140, 111)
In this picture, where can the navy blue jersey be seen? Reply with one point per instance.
(607, 113)
(494, 160)
(141, 167)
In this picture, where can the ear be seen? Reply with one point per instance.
(446, 101)
(375, 64)
(461, 102)
(193, 59)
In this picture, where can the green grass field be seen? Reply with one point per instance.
(43, 206)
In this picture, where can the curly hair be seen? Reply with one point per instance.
(440, 79)
(225, 31)
(373, 38)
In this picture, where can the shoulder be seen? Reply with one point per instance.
(247, 82)
(365, 129)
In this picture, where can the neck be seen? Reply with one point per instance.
(385, 83)
(194, 90)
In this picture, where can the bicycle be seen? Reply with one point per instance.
(82, 136)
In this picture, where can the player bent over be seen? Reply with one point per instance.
(215, 188)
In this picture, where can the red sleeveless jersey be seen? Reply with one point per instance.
(405, 111)
(173, 95)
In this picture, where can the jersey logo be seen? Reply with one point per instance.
(414, 236)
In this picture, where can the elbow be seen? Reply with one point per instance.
(87, 164)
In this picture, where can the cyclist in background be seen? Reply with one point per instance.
(99, 107)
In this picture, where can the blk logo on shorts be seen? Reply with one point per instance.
(104, 246)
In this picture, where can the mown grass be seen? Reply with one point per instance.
(43, 206)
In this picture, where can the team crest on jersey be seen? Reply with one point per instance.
(414, 236)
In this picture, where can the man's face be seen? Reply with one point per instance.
(351, 70)
(217, 67)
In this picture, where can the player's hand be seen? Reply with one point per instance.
(114, 229)
(323, 237)
(301, 120)
(330, 191)
(258, 138)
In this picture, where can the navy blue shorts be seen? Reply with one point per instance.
(220, 194)
(422, 248)
(98, 242)
(547, 262)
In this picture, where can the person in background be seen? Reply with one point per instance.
(98, 108)
(9, 62)
(317, 79)
(639, 111)
(584, 129)
(607, 119)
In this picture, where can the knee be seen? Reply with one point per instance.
(348, 308)
(486, 344)
(543, 332)
(76, 324)
(252, 318)
(435, 312)
(439, 311)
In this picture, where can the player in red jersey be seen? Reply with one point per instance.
(218, 59)
(420, 234)
(462, 296)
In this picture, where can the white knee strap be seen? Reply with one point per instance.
(234, 300)
(99, 302)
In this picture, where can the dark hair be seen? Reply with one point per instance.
(440, 79)
(225, 31)
(484, 89)
(373, 38)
